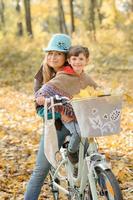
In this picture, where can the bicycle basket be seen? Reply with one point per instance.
(98, 116)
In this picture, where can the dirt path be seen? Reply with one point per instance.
(20, 130)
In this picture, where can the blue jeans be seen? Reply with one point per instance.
(73, 127)
(42, 168)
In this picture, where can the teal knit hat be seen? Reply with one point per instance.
(59, 42)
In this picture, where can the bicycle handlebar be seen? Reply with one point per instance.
(58, 101)
(63, 100)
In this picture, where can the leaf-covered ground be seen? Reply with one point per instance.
(20, 130)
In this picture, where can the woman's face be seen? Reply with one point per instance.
(55, 59)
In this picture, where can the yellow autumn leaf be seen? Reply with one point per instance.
(88, 92)
(128, 98)
(2, 134)
(124, 174)
(114, 84)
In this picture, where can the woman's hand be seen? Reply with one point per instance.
(40, 100)
(66, 119)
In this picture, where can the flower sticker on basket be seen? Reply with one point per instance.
(103, 127)
(94, 111)
(96, 122)
(115, 115)
(105, 116)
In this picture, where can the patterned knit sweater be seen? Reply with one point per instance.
(65, 83)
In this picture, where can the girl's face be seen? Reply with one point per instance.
(55, 59)
(78, 62)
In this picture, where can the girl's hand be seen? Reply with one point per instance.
(66, 118)
(40, 100)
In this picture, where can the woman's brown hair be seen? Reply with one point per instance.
(48, 73)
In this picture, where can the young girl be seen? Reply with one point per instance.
(69, 81)
(55, 59)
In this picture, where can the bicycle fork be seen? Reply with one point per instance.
(94, 161)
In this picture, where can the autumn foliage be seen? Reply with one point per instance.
(110, 65)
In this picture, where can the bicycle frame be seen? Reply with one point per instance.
(90, 165)
(86, 166)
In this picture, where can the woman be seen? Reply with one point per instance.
(55, 59)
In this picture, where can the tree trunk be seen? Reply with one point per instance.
(91, 18)
(28, 17)
(99, 5)
(72, 17)
(19, 29)
(2, 12)
(60, 18)
(18, 6)
(62, 23)
(19, 23)
(92, 15)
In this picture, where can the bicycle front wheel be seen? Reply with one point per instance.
(107, 185)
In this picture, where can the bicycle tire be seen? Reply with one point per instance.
(108, 185)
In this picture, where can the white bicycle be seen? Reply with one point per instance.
(94, 179)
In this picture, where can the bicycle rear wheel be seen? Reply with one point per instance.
(107, 185)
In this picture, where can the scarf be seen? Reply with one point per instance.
(65, 83)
